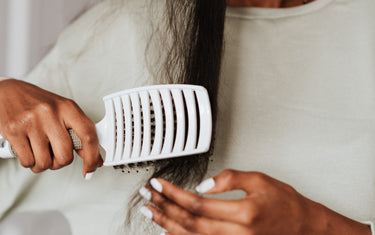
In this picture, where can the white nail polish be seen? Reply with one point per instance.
(145, 193)
(156, 185)
(205, 185)
(89, 175)
(146, 212)
(163, 233)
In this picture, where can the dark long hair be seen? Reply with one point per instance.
(194, 29)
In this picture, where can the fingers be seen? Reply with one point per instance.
(164, 221)
(237, 211)
(35, 152)
(182, 212)
(23, 149)
(35, 122)
(178, 220)
(61, 145)
(229, 180)
(89, 152)
(86, 131)
(41, 151)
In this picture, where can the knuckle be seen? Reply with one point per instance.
(13, 128)
(29, 116)
(259, 177)
(90, 139)
(228, 174)
(161, 202)
(43, 165)
(45, 108)
(20, 123)
(248, 213)
(35, 170)
(290, 189)
(26, 162)
(64, 160)
(196, 205)
(162, 220)
(190, 223)
(63, 155)
(69, 103)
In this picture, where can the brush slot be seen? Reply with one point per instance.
(174, 121)
(158, 111)
(179, 142)
(119, 120)
(128, 126)
(146, 142)
(186, 119)
(140, 103)
(128, 129)
(191, 140)
(152, 124)
(199, 133)
(169, 121)
(137, 136)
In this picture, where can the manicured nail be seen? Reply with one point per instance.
(146, 212)
(145, 193)
(163, 233)
(205, 185)
(156, 185)
(89, 175)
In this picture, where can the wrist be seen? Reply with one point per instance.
(317, 221)
(325, 221)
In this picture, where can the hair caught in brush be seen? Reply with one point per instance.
(194, 29)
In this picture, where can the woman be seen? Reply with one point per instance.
(295, 103)
(273, 118)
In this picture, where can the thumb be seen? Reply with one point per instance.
(227, 180)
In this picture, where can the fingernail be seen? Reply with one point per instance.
(89, 175)
(146, 212)
(163, 233)
(205, 185)
(145, 193)
(156, 185)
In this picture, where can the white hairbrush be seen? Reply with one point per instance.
(150, 123)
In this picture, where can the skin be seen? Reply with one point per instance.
(35, 122)
(269, 207)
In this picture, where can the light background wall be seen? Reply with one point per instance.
(29, 28)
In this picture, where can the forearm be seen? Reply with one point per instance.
(330, 222)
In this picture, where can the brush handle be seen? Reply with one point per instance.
(7, 151)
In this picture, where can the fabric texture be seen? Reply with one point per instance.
(296, 101)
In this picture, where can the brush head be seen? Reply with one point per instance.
(155, 122)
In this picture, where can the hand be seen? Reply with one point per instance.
(270, 207)
(35, 122)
